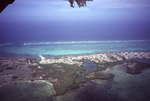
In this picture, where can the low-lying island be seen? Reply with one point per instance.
(57, 78)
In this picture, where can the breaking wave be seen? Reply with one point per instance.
(5, 44)
(81, 42)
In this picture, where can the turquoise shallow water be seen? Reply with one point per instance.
(72, 47)
(130, 87)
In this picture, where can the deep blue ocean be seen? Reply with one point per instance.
(35, 49)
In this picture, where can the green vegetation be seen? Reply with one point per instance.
(74, 87)
(62, 76)
(79, 79)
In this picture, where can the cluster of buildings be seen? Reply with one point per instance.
(97, 58)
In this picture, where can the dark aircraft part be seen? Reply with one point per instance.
(71, 3)
(4, 3)
(81, 3)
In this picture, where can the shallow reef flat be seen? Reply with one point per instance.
(38, 90)
(69, 78)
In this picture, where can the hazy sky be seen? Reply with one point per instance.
(60, 9)
(54, 19)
